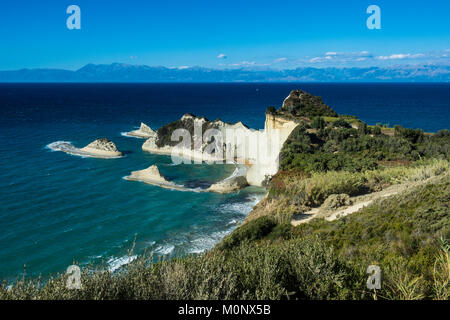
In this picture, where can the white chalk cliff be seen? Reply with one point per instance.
(276, 131)
(258, 149)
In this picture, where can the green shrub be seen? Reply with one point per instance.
(341, 123)
(318, 123)
(253, 230)
(271, 110)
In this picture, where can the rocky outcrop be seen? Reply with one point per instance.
(102, 148)
(151, 175)
(258, 150)
(229, 185)
(302, 104)
(335, 201)
(143, 132)
(196, 148)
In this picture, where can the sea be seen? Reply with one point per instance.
(58, 209)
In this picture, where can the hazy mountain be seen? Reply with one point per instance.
(118, 72)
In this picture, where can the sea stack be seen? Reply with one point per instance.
(102, 148)
(229, 185)
(152, 176)
(143, 132)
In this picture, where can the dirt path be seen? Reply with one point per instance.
(359, 202)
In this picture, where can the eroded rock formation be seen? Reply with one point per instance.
(102, 147)
(144, 132)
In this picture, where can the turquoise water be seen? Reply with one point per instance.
(56, 208)
(71, 208)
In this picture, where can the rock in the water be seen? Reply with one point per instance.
(102, 147)
(229, 185)
(103, 144)
(152, 176)
(144, 132)
(335, 201)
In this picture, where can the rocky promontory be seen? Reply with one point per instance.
(302, 104)
(163, 143)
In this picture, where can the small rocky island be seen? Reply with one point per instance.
(144, 132)
(152, 176)
(101, 148)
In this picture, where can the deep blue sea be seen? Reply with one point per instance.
(56, 208)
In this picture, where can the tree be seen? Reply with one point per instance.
(318, 123)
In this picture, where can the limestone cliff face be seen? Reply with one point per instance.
(276, 130)
(259, 150)
(201, 146)
(274, 122)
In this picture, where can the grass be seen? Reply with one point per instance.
(293, 192)
(303, 269)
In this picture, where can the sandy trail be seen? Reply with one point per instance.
(359, 202)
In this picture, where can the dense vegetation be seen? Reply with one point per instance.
(302, 104)
(325, 146)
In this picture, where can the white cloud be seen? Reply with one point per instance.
(401, 56)
(222, 56)
(316, 59)
(280, 60)
(343, 57)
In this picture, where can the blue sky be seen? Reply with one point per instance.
(223, 34)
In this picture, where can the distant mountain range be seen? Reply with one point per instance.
(118, 72)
